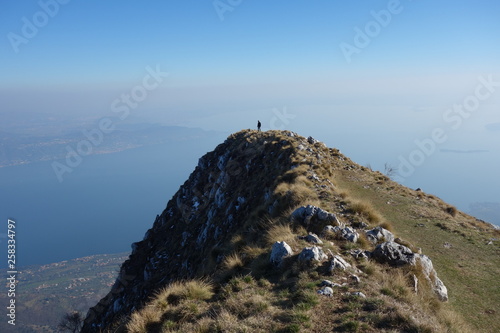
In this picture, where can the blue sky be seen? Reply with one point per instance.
(273, 55)
(97, 43)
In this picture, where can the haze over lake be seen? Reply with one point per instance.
(105, 205)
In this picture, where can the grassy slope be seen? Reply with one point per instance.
(470, 268)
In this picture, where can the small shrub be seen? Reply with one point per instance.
(233, 262)
(451, 210)
(248, 279)
(387, 291)
(349, 326)
(305, 299)
(142, 321)
(198, 290)
(373, 304)
(174, 293)
(442, 226)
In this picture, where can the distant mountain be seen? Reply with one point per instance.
(23, 148)
(45, 293)
(274, 232)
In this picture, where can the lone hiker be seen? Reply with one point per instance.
(258, 125)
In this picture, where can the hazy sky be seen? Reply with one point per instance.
(369, 77)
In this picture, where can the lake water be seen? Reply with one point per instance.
(107, 203)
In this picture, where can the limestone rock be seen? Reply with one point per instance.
(280, 251)
(398, 255)
(394, 254)
(312, 238)
(379, 234)
(346, 233)
(354, 279)
(361, 254)
(313, 253)
(430, 273)
(312, 140)
(338, 263)
(326, 291)
(308, 214)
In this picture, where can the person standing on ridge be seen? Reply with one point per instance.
(258, 125)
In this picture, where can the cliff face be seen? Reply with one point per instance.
(278, 205)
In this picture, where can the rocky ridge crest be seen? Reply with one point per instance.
(251, 178)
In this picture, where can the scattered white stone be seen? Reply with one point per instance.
(379, 234)
(280, 251)
(338, 263)
(312, 238)
(310, 213)
(326, 291)
(312, 253)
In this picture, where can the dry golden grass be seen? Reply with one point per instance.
(250, 252)
(280, 233)
(295, 193)
(366, 210)
(190, 290)
(387, 225)
(141, 321)
(233, 262)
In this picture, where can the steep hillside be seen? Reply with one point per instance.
(273, 232)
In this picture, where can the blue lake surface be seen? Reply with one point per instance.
(104, 205)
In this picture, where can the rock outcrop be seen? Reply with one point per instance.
(313, 253)
(312, 214)
(394, 254)
(378, 234)
(399, 255)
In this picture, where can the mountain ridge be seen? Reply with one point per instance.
(243, 190)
